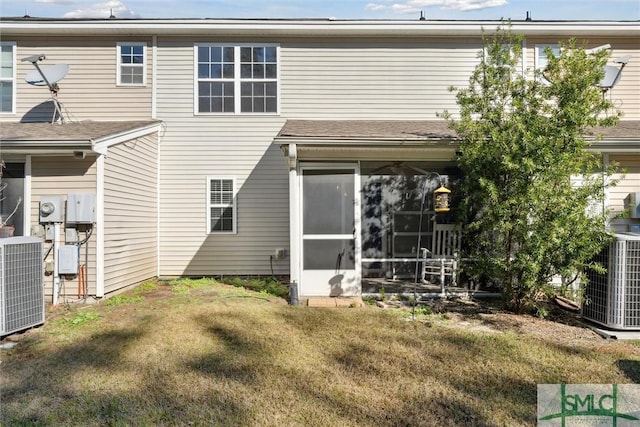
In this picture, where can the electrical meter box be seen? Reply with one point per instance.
(68, 259)
(51, 209)
(81, 208)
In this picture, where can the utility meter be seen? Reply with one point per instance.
(51, 209)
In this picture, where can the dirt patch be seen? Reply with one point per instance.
(488, 315)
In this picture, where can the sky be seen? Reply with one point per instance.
(337, 9)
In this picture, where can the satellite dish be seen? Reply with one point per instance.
(47, 75)
(612, 73)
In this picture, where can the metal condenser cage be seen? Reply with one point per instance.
(21, 284)
(612, 298)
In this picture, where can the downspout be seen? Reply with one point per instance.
(158, 206)
(100, 225)
(154, 115)
(606, 181)
(26, 202)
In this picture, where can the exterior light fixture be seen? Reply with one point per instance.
(441, 199)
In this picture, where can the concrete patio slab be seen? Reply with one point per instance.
(335, 302)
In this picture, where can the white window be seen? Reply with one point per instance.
(221, 205)
(132, 64)
(541, 55)
(7, 77)
(236, 79)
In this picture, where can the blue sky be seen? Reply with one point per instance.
(339, 9)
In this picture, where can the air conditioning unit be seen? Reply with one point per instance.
(612, 299)
(21, 284)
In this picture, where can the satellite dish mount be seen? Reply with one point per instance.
(47, 76)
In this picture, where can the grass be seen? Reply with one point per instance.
(213, 354)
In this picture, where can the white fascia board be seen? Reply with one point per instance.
(45, 147)
(616, 146)
(314, 27)
(366, 142)
(101, 145)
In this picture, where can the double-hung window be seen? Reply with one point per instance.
(541, 55)
(132, 64)
(221, 205)
(236, 79)
(7, 77)
(541, 59)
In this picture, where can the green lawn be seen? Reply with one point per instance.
(211, 354)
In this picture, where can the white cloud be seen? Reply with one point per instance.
(103, 10)
(414, 6)
(56, 2)
(374, 6)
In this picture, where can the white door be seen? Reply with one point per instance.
(330, 220)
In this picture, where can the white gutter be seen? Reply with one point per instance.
(311, 27)
(367, 141)
(615, 145)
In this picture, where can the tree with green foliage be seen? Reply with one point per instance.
(531, 183)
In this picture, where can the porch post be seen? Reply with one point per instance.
(294, 216)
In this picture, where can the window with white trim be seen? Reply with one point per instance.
(541, 59)
(132, 63)
(236, 78)
(7, 77)
(221, 205)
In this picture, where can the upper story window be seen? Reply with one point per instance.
(7, 76)
(236, 79)
(132, 64)
(541, 59)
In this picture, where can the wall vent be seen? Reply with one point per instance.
(612, 299)
(21, 284)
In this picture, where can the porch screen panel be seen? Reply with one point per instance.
(328, 202)
(329, 254)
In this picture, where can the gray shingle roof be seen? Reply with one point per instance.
(84, 131)
(404, 130)
(371, 129)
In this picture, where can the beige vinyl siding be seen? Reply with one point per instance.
(89, 91)
(630, 182)
(61, 175)
(232, 150)
(196, 146)
(130, 213)
(405, 80)
(626, 94)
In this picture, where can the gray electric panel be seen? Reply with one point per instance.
(81, 208)
(68, 259)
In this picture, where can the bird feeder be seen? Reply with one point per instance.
(441, 199)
